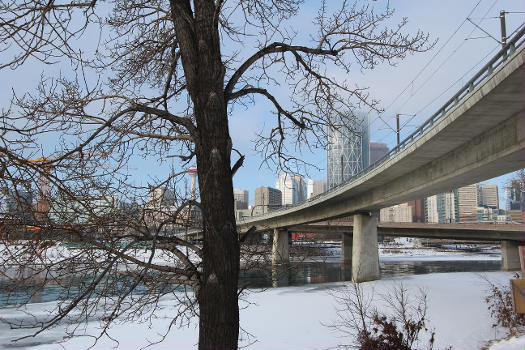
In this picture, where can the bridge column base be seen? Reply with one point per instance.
(346, 247)
(510, 257)
(365, 252)
(280, 249)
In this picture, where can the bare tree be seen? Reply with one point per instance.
(159, 80)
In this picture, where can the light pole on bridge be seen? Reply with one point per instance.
(503, 28)
(398, 128)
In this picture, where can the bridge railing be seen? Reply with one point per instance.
(501, 56)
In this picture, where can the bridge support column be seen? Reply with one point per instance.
(280, 249)
(346, 247)
(510, 257)
(365, 253)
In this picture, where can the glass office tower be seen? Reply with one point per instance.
(348, 148)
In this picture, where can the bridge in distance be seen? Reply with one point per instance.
(463, 231)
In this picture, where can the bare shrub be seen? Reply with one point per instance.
(499, 301)
(398, 327)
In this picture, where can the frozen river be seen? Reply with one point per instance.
(324, 269)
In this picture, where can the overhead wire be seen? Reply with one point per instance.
(411, 83)
(443, 63)
(427, 64)
(468, 72)
(449, 87)
(516, 30)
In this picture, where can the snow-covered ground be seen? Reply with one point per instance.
(293, 318)
(514, 343)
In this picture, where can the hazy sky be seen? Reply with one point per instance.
(417, 85)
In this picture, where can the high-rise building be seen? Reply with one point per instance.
(377, 151)
(516, 216)
(315, 187)
(418, 210)
(488, 195)
(18, 203)
(396, 213)
(301, 189)
(241, 198)
(161, 196)
(442, 207)
(267, 199)
(515, 195)
(468, 202)
(348, 148)
(292, 187)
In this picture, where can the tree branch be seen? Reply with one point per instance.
(183, 121)
(269, 96)
(275, 47)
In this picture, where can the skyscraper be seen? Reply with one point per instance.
(468, 202)
(515, 195)
(348, 148)
(241, 198)
(301, 188)
(488, 195)
(18, 203)
(161, 197)
(377, 151)
(292, 187)
(442, 207)
(315, 187)
(267, 199)
(397, 213)
(418, 210)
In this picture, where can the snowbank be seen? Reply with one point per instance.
(293, 318)
(515, 343)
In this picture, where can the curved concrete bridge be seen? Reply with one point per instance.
(479, 134)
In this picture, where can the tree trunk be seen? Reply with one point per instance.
(218, 305)
(204, 71)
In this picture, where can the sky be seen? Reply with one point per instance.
(414, 88)
(418, 85)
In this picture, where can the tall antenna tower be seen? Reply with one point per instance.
(192, 171)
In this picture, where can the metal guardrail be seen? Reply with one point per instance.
(496, 61)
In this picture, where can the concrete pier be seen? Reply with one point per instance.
(346, 247)
(365, 252)
(280, 249)
(510, 257)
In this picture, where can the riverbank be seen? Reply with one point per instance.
(293, 317)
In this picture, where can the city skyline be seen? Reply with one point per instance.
(439, 208)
